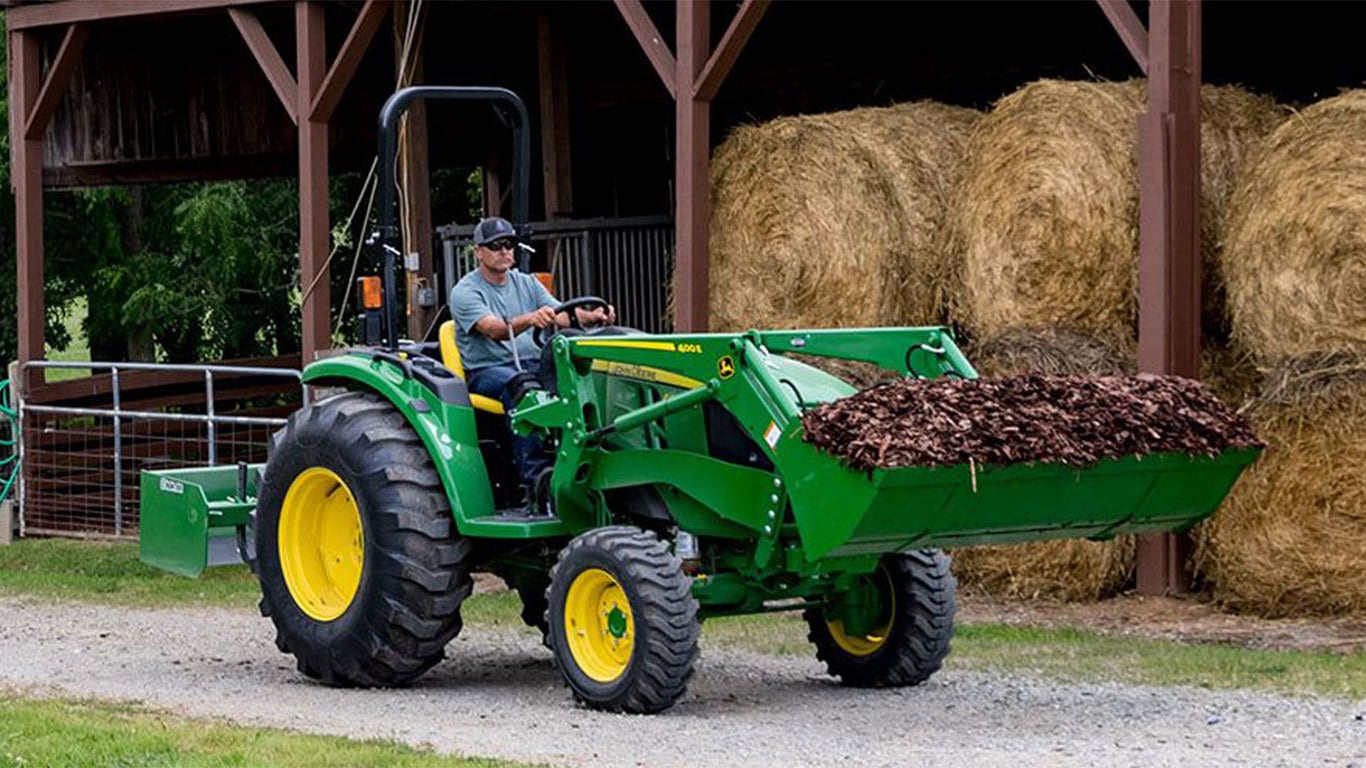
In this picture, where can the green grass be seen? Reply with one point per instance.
(77, 350)
(109, 573)
(88, 733)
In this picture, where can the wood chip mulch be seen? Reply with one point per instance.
(1073, 420)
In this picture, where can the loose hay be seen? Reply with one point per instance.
(833, 220)
(1296, 251)
(1291, 538)
(1044, 220)
(1052, 351)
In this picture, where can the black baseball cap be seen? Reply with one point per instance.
(493, 228)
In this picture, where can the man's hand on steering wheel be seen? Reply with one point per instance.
(596, 317)
(585, 311)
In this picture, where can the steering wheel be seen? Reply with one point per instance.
(543, 335)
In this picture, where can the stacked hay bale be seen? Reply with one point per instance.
(1044, 223)
(1043, 232)
(833, 220)
(1291, 536)
(1289, 540)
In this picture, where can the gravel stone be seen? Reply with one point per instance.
(499, 696)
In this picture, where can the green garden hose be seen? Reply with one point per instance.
(8, 412)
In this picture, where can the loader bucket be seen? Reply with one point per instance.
(190, 517)
(845, 512)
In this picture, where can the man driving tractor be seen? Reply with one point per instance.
(493, 306)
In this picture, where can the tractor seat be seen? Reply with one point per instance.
(450, 356)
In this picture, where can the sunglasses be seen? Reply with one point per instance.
(501, 245)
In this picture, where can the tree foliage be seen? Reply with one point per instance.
(185, 272)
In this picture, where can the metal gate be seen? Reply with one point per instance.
(84, 442)
(628, 261)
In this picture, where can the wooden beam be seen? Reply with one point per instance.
(254, 35)
(414, 176)
(26, 176)
(59, 74)
(732, 43)
(551, 43)
(1169, 238)
(348, 59)
(692, 170)
(493, 185)
(30, 16)
(1130, 29)
(314, 234)
(650, 41)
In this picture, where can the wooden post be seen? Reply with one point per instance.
(26, 177)
(415, 181)
(493, 185)
(692, 78)
(554, 102)
(1169, 238)
(314, 232)
(692, 168)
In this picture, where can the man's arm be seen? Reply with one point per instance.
(473, 314)
(493, 327)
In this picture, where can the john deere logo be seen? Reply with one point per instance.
(726, 367)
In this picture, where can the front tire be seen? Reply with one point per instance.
(910, 637)
(623, 621)
(360, 566)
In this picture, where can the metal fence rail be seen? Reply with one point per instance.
(81, 456)
(628, 261)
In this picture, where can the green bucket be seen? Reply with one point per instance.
(849, 513)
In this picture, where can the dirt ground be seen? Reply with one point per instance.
(498, 695)
(1189, 619)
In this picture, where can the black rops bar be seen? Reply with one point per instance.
(388, 150)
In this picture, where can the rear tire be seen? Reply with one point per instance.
(623, 621)
(353, 463)
(916, 626)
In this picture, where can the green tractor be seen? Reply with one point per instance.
(681, 489)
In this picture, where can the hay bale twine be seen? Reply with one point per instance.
(1296, 251)
(1044, 220)
(832, 220)
(1289, 540)
(1065, 569)
(1062, 569)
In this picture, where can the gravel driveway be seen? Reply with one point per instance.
(499, 696)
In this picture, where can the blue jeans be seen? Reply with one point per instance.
(492, 381)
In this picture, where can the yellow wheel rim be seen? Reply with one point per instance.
(598, 625)
(866, 645)
(322, 548)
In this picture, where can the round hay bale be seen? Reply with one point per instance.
(832, 220)
(1296, 252)
(1072, 570)
(1289, 540)
(1044, 220)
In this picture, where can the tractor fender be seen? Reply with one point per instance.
(446, 426)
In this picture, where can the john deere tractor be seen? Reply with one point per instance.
(681, 489)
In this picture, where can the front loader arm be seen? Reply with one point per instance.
(738, 372)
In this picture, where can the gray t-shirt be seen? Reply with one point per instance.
(474, 297)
